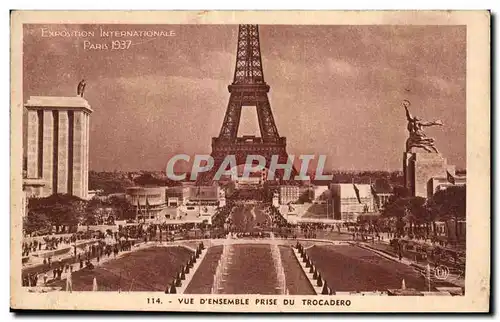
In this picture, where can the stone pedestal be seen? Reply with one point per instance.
(419, 168)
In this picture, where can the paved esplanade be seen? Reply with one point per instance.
(250, 218)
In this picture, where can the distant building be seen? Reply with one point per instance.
(426, 173)
(201, 195)
(57, 146)
(253, 179)
(382, 193)
(94, 193)
(293, 194)
(351, 200)
(450, 231)
(436, 184)
(148, 202)
(174, 196)
(319, 193)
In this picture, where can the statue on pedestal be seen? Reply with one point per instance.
(417, 137)
(80, 88)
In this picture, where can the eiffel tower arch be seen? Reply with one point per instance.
(248, 89)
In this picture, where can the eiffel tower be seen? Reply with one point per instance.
(248, 89)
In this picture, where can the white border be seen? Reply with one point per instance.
(144, 5)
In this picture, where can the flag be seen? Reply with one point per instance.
(450, 177)
(356, 190)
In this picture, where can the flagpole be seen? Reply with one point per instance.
(137, 210)
(327, 208)
(199, 202)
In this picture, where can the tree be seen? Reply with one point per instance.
(405, 209)
(60, 209)
(36, 221)
(122, 207)
(304, 197)
(400, 192)
(109, 182)
(449, 204)
(396, 211)
(92, 211)
(416, 212)
(147, 179)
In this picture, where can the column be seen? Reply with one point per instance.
(62, 153)
(78, 153)
(48, 151)
(86, 156)
(32, 144)
(84, 152)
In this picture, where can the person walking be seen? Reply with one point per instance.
(400, 252)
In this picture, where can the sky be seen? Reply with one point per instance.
(335, 90)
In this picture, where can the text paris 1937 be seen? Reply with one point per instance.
(110, 45)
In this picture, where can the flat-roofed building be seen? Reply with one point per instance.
(382, 193)
(350, 200)
(148, 202)
(293, 194)
(439, 183)
(174, 196)
(57, 146)
(320, 193)
(203, 195)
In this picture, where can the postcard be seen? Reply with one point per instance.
(245, 161)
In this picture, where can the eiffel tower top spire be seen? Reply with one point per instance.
(248, 70)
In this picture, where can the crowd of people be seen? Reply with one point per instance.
(99, 244)
(422, 252)
(221, 216)
(253, 234)
(30, 279)
(53, 242)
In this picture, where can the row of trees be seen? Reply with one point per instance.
(393, 177)
(420, 214)
(115, 182)
(64, 212)
(118, 182)
(109, 182)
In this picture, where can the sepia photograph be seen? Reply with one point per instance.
(238, 163)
